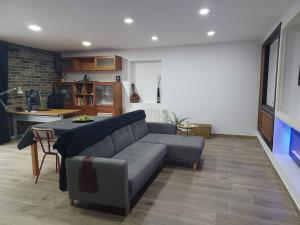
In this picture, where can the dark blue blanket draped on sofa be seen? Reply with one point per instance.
(4, 132)
(74, 141)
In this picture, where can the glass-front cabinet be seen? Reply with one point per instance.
(93, 97)
(91, 63)
(105, 63)
(104, 94)
(66, 90)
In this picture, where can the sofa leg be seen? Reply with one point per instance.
(162, 166)
(195, 164)
(71, 202)
(201, 163)
(126, 211)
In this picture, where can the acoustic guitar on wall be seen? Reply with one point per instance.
(134, 97)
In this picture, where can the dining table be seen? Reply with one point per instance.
(59, 128)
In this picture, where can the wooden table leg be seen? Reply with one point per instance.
(195, 164)
(15, 127)
(35, 159)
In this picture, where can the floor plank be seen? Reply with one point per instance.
(263, 213)
(237, 186)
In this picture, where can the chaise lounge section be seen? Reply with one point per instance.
(181, 149)
(125, 151)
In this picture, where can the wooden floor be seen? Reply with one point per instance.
(237, 186)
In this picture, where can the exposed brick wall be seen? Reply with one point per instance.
(30, 68)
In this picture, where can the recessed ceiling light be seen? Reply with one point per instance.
(211, 33)
(204, 11)
(34, 27)
(154, 38)
(128, 20)
(86, 43)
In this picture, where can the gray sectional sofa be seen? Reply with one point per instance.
(124, 160)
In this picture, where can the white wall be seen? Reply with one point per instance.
(145, 77)
(290, 89)
(209, 83)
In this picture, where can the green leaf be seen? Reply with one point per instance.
(177, 120)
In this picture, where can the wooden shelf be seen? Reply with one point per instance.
(84, 94)
(92, 63)
(289, 120)
(96, 97)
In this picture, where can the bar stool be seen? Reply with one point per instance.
(45, 137)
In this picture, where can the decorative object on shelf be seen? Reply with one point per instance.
(118, 78)
(79, 88)
(158, 88)
(85, 78)
(177, 120)
(134, 97)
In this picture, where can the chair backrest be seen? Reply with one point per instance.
(43, 134)
(55, 101)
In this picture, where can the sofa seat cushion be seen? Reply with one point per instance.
(142, 161)
(139, 128)
(122, 138)
(103, 149)
(180, 148)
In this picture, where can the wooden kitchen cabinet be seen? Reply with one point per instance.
(91, 63)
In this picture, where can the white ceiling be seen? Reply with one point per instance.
(66, 23)
(295, 23)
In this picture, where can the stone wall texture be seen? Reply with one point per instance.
(31, 68)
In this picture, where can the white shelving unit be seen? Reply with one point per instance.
(287, 113)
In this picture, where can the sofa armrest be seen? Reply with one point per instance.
(162, 128)
(112, 182)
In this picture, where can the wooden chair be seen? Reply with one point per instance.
(45, 137)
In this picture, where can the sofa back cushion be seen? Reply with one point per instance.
(139, 129)
(122, 138)
(103, 148)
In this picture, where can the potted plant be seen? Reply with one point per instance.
(177, 120)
